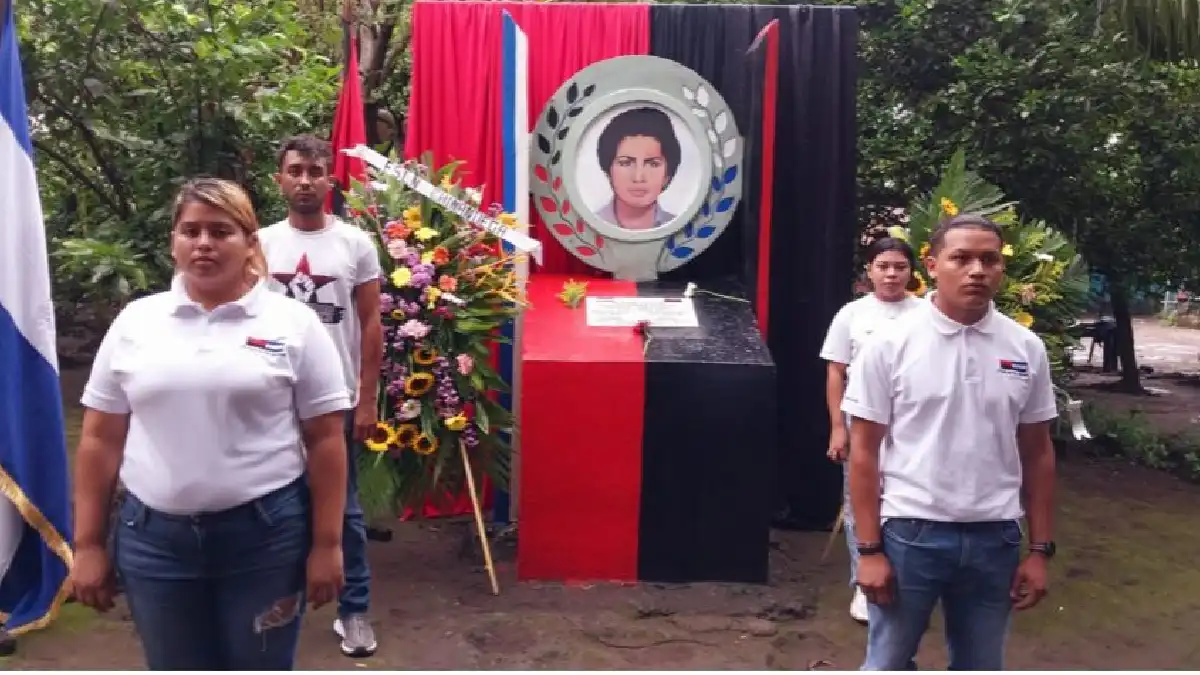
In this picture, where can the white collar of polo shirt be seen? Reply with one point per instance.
(948, 326)
(248, 305)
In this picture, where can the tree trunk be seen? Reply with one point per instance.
(1130, 377)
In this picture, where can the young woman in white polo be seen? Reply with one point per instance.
(203, 400)
(890, 264)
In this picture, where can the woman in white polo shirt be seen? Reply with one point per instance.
(204, 398)
(890, 263)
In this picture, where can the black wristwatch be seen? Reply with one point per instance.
(870, 549)
(1045, 548)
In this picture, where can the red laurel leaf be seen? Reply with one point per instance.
(557, 184)
(599, 242)
(549, 206)
(563, 229)
(540, 172)
(580, 225)
(566, 206)
(585, 251)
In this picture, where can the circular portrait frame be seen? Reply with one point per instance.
(599, 94)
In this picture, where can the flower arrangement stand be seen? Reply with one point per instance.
(481, 529)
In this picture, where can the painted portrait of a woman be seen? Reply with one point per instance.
(640, 154)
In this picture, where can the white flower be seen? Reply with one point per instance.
(1045, 257)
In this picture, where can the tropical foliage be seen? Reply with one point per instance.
(447, 292)
(1046, 283)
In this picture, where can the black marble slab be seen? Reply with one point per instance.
(728, 331)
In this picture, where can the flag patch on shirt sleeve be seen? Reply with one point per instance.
(1010, 367)
(263, 344)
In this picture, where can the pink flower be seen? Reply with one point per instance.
(447, 283)
(414, 329)
(397, 249)
(465, 364)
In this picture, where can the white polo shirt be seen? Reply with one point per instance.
(214, 399)
(952, 397)
(857, 321)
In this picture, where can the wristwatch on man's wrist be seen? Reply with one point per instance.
(869, 548)
(1047, 549)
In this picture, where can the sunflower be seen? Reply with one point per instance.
(917, 286)
(418, 384)
(425, 445)
(383, 436)
(406, 435)
(398, 314)
(425, 356)
(456, 423)
(949, 207)
(924, 251)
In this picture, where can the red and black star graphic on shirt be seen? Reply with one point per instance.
(303, 285)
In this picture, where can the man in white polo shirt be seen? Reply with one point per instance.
(951, 412)
(333, 267)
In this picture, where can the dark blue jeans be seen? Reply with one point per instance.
(970, 568)
(356, 593)
(220, 591)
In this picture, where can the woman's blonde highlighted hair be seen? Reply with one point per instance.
(230, 198)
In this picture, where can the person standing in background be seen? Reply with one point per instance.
(220, 405)
(333, 267)
(951, 416)
(890, 263)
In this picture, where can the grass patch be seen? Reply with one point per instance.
(1129, 435)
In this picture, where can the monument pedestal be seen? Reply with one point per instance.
(644, 463)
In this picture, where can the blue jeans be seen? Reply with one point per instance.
(219, 591)
(356, 593)
(970, 568)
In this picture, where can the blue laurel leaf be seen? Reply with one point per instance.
(730, 174)
(670, 242)
(681, 252)
(704, 210)
(716, 184)
(705, 232)
(724, 205)
(688, 229)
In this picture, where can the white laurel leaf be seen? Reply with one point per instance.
(730, 147)
(712, 136)
(702, 96)
(689, 94)
(721, 122)
(700, 112)
(718, 161)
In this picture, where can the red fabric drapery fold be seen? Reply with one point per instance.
(455, 97)
(349, 128)
(454, 108)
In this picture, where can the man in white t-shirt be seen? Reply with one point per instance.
(951, 411)
(333, 267)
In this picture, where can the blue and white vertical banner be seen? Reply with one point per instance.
(35, 507)
(514, 112)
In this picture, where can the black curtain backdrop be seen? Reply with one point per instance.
(813, 226)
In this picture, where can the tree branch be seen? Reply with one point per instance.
(110, 172)
(78, 174)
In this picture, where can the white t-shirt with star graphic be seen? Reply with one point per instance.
(321, 269)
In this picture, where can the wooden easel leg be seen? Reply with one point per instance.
(483, 540)
(837, 528)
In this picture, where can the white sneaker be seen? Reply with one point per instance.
(358, 638)
(858, 607)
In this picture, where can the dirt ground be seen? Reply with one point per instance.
(1125, 591)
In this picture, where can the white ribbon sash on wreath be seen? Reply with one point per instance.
(422, 186)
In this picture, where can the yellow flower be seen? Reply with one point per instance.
(456, 423)
(425, 445)
(406, 435)
(898, 232)
(447, 183)
(418, 384)
(425, 356)
(383, 437)
(427, 257)
(1023, 318)
(401, 276)
(949, 207)
(1007, 250)
(507, 219)
(398, 314)
(425, 234)
(920, 286)
(924, 250)
(412, 216)
(434, 294)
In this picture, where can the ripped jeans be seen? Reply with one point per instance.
(219, 591)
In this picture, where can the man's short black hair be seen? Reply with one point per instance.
(965, 221)
(307, 146)
(650, 122)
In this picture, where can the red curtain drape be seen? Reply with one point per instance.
(454, 102)
(349, 130)
(454, 108)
